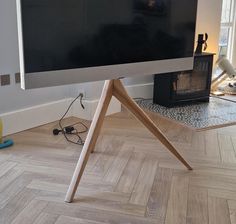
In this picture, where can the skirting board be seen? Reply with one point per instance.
(30, 117)
(141, 90)
(90, 108)
(35, 116)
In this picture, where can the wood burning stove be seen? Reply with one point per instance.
(177, 88)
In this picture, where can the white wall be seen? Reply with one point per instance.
(13, 98)
(208, 21)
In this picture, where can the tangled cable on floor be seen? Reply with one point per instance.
(71, 129)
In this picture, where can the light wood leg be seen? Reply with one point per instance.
(116, 88)
(91, 139)
(121, 94)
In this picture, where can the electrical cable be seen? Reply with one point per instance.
(70, 128)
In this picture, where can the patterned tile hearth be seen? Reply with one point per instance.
(217, 113)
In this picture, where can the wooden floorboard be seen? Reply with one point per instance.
(130, 178)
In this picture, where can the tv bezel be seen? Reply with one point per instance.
(98, 73)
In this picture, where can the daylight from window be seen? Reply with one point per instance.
(227, 29)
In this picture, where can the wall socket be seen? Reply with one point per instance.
(82, 92)
(5, 80)
(17, 77)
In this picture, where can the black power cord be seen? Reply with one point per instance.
(70, 129)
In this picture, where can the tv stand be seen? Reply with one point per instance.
(114, 88)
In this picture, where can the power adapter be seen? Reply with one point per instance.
(67, 130)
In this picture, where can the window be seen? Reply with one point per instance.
(227, 34)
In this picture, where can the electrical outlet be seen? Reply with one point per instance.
(81, 91)
(17, 77)
(5, 80)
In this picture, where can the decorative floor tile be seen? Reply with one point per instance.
(218, 112)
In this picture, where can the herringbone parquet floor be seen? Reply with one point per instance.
(130, 179)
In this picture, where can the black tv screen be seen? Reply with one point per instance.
(68, 34)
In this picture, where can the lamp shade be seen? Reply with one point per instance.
(226, 66)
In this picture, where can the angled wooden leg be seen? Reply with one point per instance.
(121, 94)
(116, 88)
(91, 139)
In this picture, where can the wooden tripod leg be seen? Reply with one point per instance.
(91, 139)
(121, 94)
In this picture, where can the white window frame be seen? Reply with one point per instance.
(231, 48)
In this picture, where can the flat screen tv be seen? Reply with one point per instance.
(71, 41)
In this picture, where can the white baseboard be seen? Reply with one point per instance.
(31, 117)
(141, 90)
(90, 108)
(35, 116)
